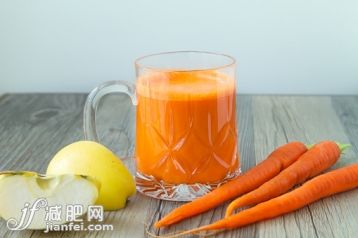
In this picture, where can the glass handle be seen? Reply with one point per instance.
(93, 99)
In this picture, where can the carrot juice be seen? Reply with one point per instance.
(186, 126)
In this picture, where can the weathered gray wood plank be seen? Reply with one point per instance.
(347, 110)
(34, 126)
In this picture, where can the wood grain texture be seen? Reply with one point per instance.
(35, 126)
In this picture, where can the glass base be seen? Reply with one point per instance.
(151, 187)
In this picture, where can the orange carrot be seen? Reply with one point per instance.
(317, 159)
(322, 186)
(278, 160)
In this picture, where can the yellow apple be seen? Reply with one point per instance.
(95, 160)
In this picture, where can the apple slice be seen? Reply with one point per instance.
(20, 191)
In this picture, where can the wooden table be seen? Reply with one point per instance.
(33, 127)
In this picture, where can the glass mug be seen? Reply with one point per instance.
(186, 133)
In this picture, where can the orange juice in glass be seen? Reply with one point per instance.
(186, 132)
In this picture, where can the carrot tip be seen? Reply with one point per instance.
(343, 147)
(309, 146)
(159, 224)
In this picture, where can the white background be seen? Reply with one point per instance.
(285, 47)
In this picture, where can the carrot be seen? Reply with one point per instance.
(322, 186)
(317, 159)
(278, 160)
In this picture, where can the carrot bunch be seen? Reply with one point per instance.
(268, 185)
(278, 160)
